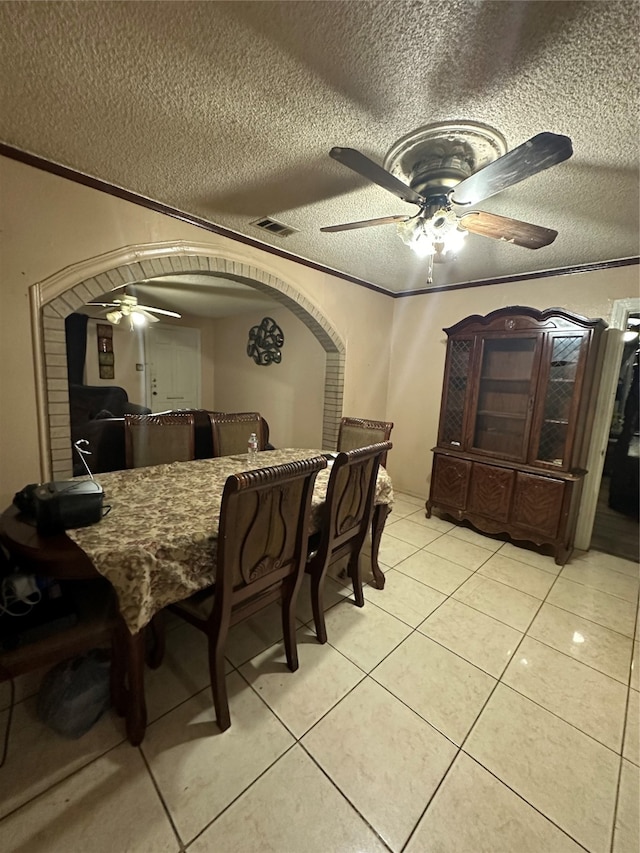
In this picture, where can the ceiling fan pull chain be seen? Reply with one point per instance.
(430, 269)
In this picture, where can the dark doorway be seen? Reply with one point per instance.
(616, 529)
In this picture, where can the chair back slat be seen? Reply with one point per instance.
(360, 432)
(350, 496)
(156, 439)
(263, 529)
(231, 432)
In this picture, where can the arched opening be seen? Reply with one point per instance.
(64, 292)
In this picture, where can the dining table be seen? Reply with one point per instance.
(156, 544)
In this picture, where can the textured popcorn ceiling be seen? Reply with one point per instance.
(227, 110)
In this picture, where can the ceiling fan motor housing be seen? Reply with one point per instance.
(435, 158)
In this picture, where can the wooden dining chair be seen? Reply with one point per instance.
(345, 522)
(155, 439)
(261, 554)
(231, 432)
(358, 432)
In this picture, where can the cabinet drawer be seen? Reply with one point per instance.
(450, 483)
(537, 503)
(490, 491)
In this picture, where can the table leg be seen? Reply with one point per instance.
(155, 654)
(133, 646)
(380, 513)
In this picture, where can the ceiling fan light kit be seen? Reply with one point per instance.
(455, 164)
(438, 233)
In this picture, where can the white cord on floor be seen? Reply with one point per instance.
(9, 597)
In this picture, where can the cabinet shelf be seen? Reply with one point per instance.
(524, 380)
(509, 416)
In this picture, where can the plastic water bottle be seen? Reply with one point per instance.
(252, 449)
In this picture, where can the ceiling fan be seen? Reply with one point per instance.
(138, 315)
(439, 167)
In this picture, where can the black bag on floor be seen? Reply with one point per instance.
(75, 694)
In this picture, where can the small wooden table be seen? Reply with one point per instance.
(157, 546)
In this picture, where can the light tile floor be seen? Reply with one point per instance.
(485, 701)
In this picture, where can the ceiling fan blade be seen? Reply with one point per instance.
(160, 311)
(105, 304)
(141, 310)
(366, 223)
(505, 228)
(537, 154)
(368, 169)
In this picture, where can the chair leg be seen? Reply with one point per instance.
(289, 626)
(356, 578)
(317, 591)
(219, 683)
(217, 636)
(380, 513)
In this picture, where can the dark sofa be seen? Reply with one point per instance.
(96, 413)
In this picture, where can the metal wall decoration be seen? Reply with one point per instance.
(265, 342)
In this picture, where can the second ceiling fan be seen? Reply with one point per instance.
(455, 165)
(127, 307)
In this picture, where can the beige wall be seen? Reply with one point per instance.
(418, 349)
(394, 348)
(289, 395)
(48, 223)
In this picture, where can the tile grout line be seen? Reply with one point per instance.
(343, 795)
(474, 723)
(576, 660)
(181, 843)
(616, 802)
(298, 742)
(586, 619)
(535, 808)
(63, 779)
(500, 681)
(240, 794)
(597, 589)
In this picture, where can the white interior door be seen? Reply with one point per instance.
(173, 368)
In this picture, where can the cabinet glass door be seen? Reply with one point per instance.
(506, 387)
(455, 390)
(558, 399)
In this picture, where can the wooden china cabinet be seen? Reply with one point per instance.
(517, 406)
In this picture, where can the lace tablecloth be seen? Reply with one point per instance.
(157, 544)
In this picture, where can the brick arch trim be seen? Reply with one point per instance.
(65, 291)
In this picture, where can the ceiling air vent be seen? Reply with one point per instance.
(275, 227)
